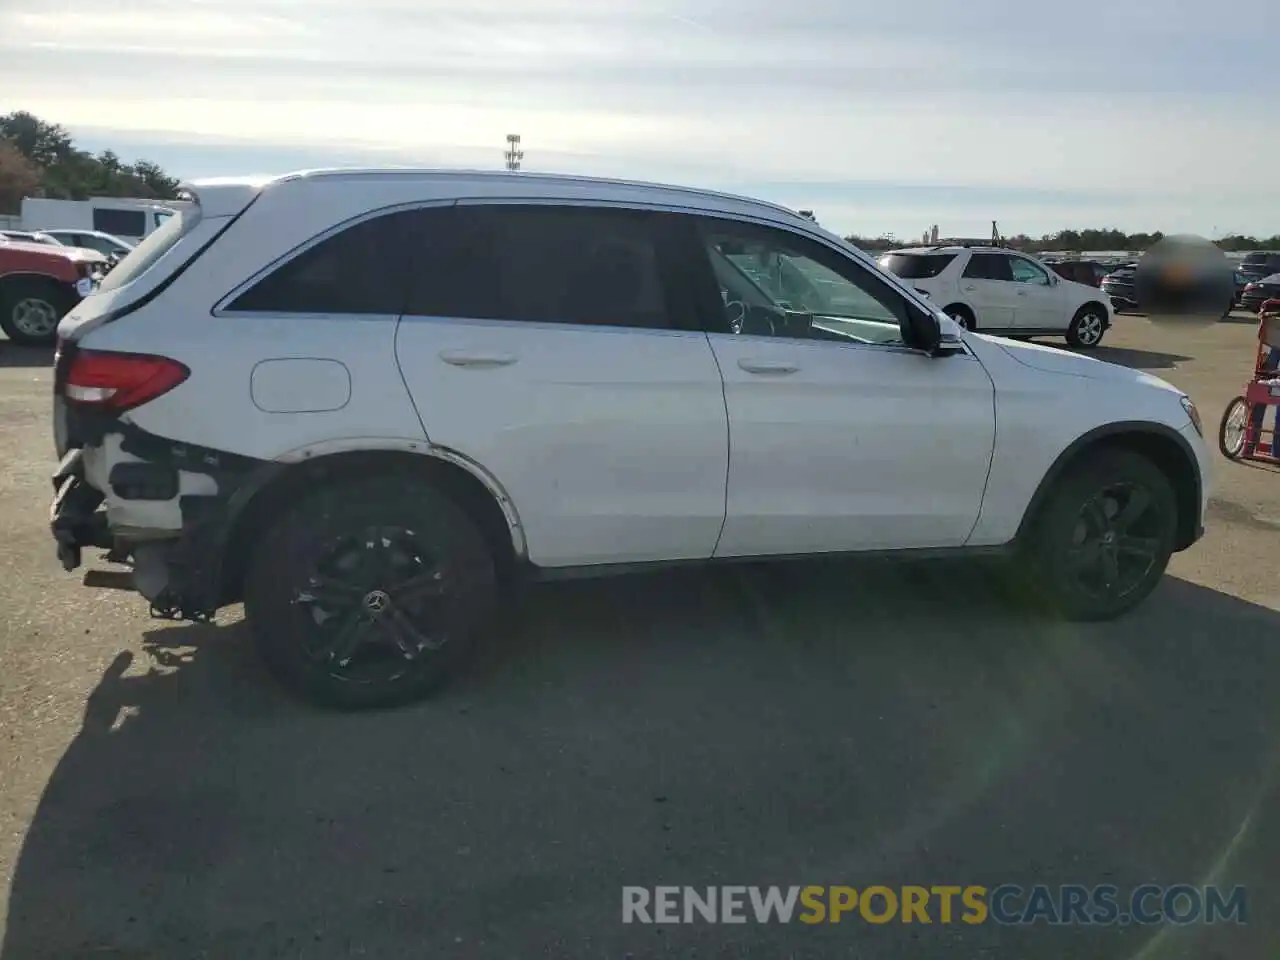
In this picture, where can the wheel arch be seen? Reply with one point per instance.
(255, 502)
(1161, 444)
(1095, 302)
(18, 276)
(962, 307)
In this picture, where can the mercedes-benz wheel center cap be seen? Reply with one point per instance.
(1185, 279)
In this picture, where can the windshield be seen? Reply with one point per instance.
(156, 245)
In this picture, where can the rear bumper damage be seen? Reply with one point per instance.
(162, 507)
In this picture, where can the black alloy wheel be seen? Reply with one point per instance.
(1104, 537)
(369, 592)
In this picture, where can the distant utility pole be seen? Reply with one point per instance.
(514, 154)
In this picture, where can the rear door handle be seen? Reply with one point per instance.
(776, 367)
(1022, 293)
(470, 358)
(971, 288)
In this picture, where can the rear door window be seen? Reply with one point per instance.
(988, 266)
(541, 264)
(916, 266)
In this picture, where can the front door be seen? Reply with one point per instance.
(1040, 300)
(840, 437)
(546, 344)
(987, 284)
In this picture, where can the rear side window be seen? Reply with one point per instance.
(356, 270)
(541, 264)
(988, 266)
(916, 266)
(129, 223)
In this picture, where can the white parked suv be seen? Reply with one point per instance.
(361, 401)
(1004, 292)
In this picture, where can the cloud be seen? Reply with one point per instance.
(1122, 107)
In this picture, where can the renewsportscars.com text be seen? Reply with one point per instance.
(1008, 904)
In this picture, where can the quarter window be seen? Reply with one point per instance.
(355, 271)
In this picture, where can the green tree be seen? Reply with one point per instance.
(19, 178)
(69, 173)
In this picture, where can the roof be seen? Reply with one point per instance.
(239, 188)
(952, 247)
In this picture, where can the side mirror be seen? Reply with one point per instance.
(924, 331)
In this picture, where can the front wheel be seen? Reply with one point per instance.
(1105, 536)
(963, 316)
(30, 309)
(1233, 431)
(1087, 327)
(368, 592)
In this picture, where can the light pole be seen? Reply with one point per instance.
(514, 154)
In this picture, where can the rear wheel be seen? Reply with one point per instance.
(962, 315)
(1233, 431)
(1104, 538)
(368, 593)
(30, 309)
(1087, 327)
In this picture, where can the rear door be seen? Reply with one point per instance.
(550, 345)
(987, 283)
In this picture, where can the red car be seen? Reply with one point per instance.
(39, 284)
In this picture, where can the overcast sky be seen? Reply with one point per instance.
(1139, 114)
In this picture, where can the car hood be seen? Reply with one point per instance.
(1052, 360)
(61, 253)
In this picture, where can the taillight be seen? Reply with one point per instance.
(119, 381)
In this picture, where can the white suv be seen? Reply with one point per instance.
(1004, 292)
(360, 401)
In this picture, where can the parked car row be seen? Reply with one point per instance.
(45, 273)
(996, 290)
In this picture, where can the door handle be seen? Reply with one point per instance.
(469, 358)
(1022, 293)
(778, 367)
(971, 288)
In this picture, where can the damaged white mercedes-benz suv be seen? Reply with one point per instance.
(362, 402)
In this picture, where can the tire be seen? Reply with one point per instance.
(1088, 327)
(1233, 449)
(962, 315)
(332, 628)
(1069, 555)
(30, 309)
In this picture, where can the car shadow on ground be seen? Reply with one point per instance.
(12, 355)
(1130, 357)
(818, 724)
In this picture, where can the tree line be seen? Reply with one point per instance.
(40, 159)
(1082, 240)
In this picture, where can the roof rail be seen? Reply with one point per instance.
(966, 242)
